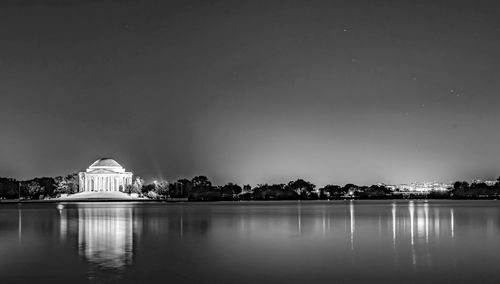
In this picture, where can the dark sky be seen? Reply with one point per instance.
(252, 91)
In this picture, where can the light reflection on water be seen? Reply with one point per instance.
(344, 241)
(105, 236)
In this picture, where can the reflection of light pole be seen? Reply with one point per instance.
(426, 213)
(299, 215)
(412, 210)
(394, 224)
(353, 224)
(452, 223)
(20, 224)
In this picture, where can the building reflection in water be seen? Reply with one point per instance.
(105, 235)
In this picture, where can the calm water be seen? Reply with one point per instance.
(252, 242)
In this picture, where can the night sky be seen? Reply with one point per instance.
(252, 91)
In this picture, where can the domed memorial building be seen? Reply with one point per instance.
(104, 175)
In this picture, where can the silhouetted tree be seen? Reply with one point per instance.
(180, 188)
(201, 181)
(137, 185)
(351, 189)
(230, 191)
(374, 191)
(68, 184)
(460, 189)
(274, 192)
(9, 188)
(161, 188)
(303, 188)
(147, 188)
(333, 191)
(203, 190)
(34, 190)
(246, 193)
(48, 185)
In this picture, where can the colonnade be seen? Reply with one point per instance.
(99, 182)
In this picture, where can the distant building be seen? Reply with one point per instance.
(490, 182)
(104, 175)
(424, 187)
(487, 182)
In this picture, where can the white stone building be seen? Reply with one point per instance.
(104, 175)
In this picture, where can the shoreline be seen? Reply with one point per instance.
(140, 200)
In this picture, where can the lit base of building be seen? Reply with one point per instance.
(110, 195)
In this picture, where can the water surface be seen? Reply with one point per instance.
(252, 242)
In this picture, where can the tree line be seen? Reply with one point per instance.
(200, 188)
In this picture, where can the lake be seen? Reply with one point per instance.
(251, 242)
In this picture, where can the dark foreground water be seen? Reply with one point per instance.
(252, 242)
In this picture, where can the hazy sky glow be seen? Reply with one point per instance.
(252, 91)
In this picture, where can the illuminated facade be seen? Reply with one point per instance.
(104, 175)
